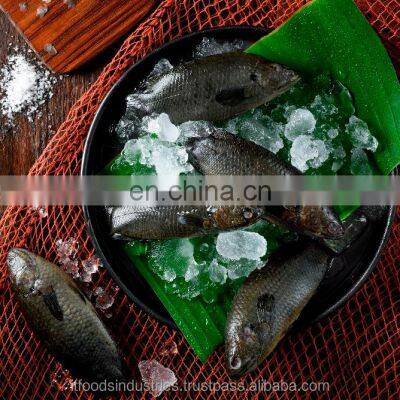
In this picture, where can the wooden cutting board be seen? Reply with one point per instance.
(71, 32)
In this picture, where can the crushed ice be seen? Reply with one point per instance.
(156, 377)
(211, 46)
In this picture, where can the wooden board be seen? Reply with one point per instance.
(78, 33)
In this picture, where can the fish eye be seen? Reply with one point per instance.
(253, 77)
(248, 213)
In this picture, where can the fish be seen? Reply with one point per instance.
(219, 152)
(214, 88)
(167, 222)
(63, 318)
(269, 302)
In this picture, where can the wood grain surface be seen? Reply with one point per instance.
(77, 33)
(22, 144)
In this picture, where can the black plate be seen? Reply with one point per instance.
(349, 271)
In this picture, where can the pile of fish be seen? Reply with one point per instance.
(213, 88)
(216, 88)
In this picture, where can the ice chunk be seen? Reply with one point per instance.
(359, 162)
(241, 244)
(360, 135)
(242, 268)
(338, 155)
(194, 129)
(162, 126)
(161, 67)
(333, 133)
(103, 300)
(192, 271)
(169, 348)
(301, 122)
(67, 248)
(210, 46)
(323, 104)
(156, 377)
(91, 265)
(307, 152)
(265, 132)
(167, 158)
(218, 273)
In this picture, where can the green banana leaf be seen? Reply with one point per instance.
(324, 36)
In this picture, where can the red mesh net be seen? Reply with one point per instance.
(356, 350)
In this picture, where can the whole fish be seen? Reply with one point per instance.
(269, 302)
(63, 318)
(214, 88)
(166, 222)
(219, 152)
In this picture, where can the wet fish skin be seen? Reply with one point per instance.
(221, 153)
(269, 302)
(215, 88)
(167, 222)
(63, 318)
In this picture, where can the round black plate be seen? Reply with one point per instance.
(349, 271)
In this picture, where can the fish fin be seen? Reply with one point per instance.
(231, 97)
(265, 308)
(191, 220)
(51, 301)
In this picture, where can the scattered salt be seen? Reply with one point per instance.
(24, 87)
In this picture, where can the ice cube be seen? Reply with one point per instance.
(359, 162)
(218, 273)
(67, 248)
(333, 133)
(301, 122)
(192, 271)
(156, 377)
(167, 158)
(265, 132)
(210, 46)
(307, 152)
(169, 348)
(161, 67)
(162, 126)
(360, 135)
(242, 268)
(194, 129)
(241, 244)
(103, 300)
(71, 267)
(338, 155)
(323, 104)
(91, 265)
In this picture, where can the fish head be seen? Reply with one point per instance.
(23, 270)
(315, 221)
(235, 217)
(274, 79)
(244, 345)
(321, 221)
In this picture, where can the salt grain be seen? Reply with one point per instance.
(24, 87)
(42, 11)
(50, 49)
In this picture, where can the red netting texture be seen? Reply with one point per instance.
(356, 350)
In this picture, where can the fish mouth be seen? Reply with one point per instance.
(238, 366)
